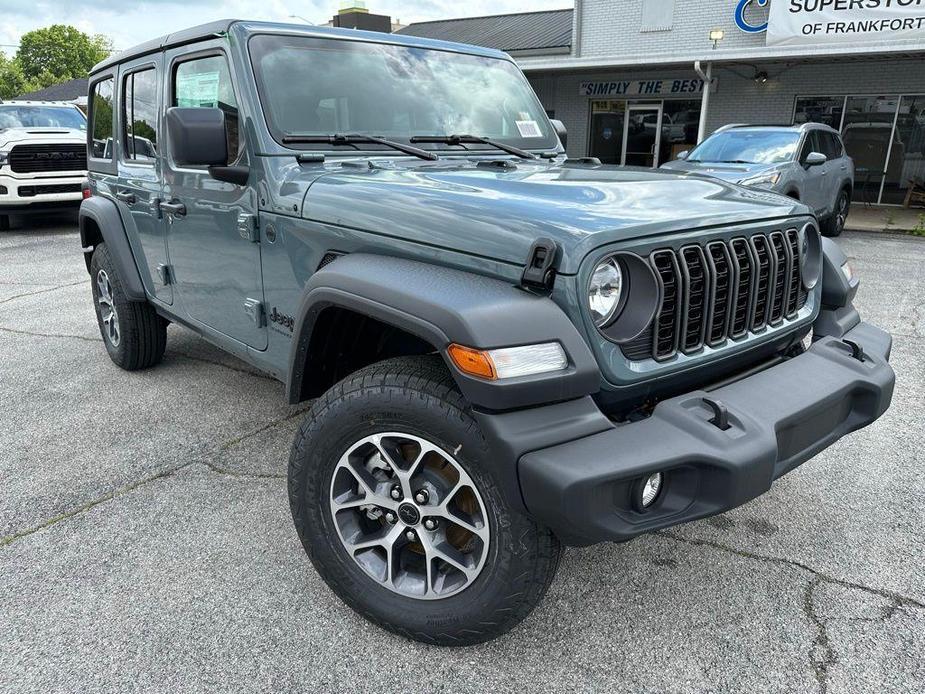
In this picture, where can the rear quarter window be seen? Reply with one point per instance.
(101, 119)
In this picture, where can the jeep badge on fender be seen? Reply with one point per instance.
(499, 359)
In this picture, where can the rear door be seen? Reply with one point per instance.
(216, 267)
(138, 187)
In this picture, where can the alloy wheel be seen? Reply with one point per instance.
(409, 515)
(108, 313)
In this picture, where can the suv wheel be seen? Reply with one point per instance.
(835, 224)
(394, 498)
(134, 335)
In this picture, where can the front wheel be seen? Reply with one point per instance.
(394, 497)
(835, 224)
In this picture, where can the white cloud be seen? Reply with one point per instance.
(128, 23)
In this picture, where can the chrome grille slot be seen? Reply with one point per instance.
(721, 291)
(668, 317)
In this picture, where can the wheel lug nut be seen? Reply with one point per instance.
(396, 492)
(422, 496)
(390, 517)
(411, 536)
(430, 523)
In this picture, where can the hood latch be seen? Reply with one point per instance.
(540, 270)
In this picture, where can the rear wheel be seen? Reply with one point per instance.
(134, 335)
(394, 498)
(835, 224)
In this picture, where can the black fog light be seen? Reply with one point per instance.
(648, 490)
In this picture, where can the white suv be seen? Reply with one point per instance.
(43, 157)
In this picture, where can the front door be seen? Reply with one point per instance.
(140, 165)
(216, 268)
(642, 135)
(814, 177)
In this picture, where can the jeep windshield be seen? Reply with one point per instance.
(311, 86)
(747, 147)
(23, 116)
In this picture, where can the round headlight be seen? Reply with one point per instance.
(605, 290)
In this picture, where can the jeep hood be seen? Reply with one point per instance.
(498, 212)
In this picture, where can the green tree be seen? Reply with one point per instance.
(12, 80)
(59, 52)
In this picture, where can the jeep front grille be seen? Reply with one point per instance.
(721, 291)
(51, 157)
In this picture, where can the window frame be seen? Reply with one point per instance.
(123, 131)
(192, 56)
(102, 164)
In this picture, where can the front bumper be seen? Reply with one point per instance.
(778, 418)
(33, 194)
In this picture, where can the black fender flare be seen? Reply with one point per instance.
(441, 306)
(105, 215)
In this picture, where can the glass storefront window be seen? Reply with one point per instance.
(867, 130)
(615, 122)
(819, 109)
(607, 121)
(680, 122)
(908, 151)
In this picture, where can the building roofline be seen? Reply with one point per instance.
(722, 57)
(489, 16)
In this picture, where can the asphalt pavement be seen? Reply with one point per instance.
(146, 543)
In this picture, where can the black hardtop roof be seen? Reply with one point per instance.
(177, 38)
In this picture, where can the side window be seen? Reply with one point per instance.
(810, 144)
(835, 149)
(139, 116)
(206, 83)
(101, 112)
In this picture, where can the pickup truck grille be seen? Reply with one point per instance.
(721, 291)
(51, 157)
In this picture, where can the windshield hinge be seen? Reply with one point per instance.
(247, 227)
(540, 270)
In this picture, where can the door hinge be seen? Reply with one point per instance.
(165, 274)
(254, 309)
(247, 227)
(540, 270)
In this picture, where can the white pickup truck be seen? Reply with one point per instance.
(43, 157)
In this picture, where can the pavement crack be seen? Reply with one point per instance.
(42, 291)
(65, 336)
(900, 600)
(217, 469)
(821, 654)
(108, 496)
(255, 374)
(227, 445)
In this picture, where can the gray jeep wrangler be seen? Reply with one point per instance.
(506, 350)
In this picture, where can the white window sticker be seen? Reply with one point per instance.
(528, 128)
(199, 90)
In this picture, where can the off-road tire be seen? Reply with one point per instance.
(142, 333)
(416, 395)
(834, 225)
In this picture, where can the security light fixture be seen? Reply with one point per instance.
(761, 77)
(717, 35)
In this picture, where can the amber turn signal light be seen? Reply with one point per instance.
(472, 361)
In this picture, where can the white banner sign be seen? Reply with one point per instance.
(802, 22)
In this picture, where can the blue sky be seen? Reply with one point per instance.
(128, 22)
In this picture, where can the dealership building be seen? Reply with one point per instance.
(638, 82)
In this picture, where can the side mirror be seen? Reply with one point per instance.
(815, 159)
(559, 127)
(198, 138)
(683, 155)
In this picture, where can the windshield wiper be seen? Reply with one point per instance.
(474, 140)
(354, 139)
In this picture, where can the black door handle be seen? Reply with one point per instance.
(174, 207)
(126, 197)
